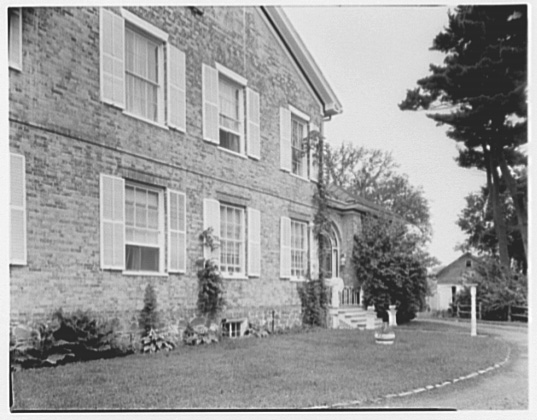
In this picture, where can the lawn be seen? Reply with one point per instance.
(282, 371)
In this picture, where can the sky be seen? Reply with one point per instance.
(370, 57)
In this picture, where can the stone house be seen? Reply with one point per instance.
(452, 279)
(134, 129)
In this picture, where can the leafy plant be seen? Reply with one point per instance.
(74, 337)
(257, 330)
(153, 342)
(211, 283)
(201, 331)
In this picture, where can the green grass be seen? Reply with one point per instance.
(288, 371)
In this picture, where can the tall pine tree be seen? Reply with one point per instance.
(483, 81)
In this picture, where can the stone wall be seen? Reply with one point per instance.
(69, 137)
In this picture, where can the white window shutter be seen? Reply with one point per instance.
(210, 104)
(285, 247)
(314, 167)
(15, 38)
(112, 40)
(176, 88)
(176, 210)
(253, 134)
(254, 242)
(112, 222)
(285, 139)
(211, 218)
(17, 214)
(314, 254)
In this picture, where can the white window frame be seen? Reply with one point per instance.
(242, 254)
(241, 83)
(304, 226)
(15, 32)
(161, 232)
(304, 118)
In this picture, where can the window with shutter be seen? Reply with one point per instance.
(15, 38)
(227, 122)
(231, 239)
(211, 219)
(133, 77)
(17, 214)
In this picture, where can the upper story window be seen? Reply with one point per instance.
(142, 81)
(133, 72)
(15, 38)
(230, 112)
(469, 263)
(298, 156)
(294, 154)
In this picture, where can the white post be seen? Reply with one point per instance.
(474, 318)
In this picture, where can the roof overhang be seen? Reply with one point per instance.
(304, 60)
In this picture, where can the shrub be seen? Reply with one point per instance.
(497, 288)
(153, 342)
(211, 289)
(74, 337)
(149, 316)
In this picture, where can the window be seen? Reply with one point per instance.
(294, 128)
(231, 239)
(237, 254)
(143, 229)
(15, 38)
(299, 246)
(133, 236)
(133, 76)
(234, 328)
(143, 55)
(469, 263)
(298, 157)
(230, 111)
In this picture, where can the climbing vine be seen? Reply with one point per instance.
(314, 293)
(211, 283)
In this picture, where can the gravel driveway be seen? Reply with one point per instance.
(505, 388)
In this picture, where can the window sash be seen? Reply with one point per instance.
(231, 239)
(143, 228)
(298, 248)
(15, 38)
(297, 136)
(142, 74)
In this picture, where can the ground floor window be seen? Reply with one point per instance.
(299, 248)
(231, 239)
(143, 228)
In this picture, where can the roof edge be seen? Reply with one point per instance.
(305, 61)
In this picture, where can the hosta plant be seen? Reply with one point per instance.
(153, 342)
